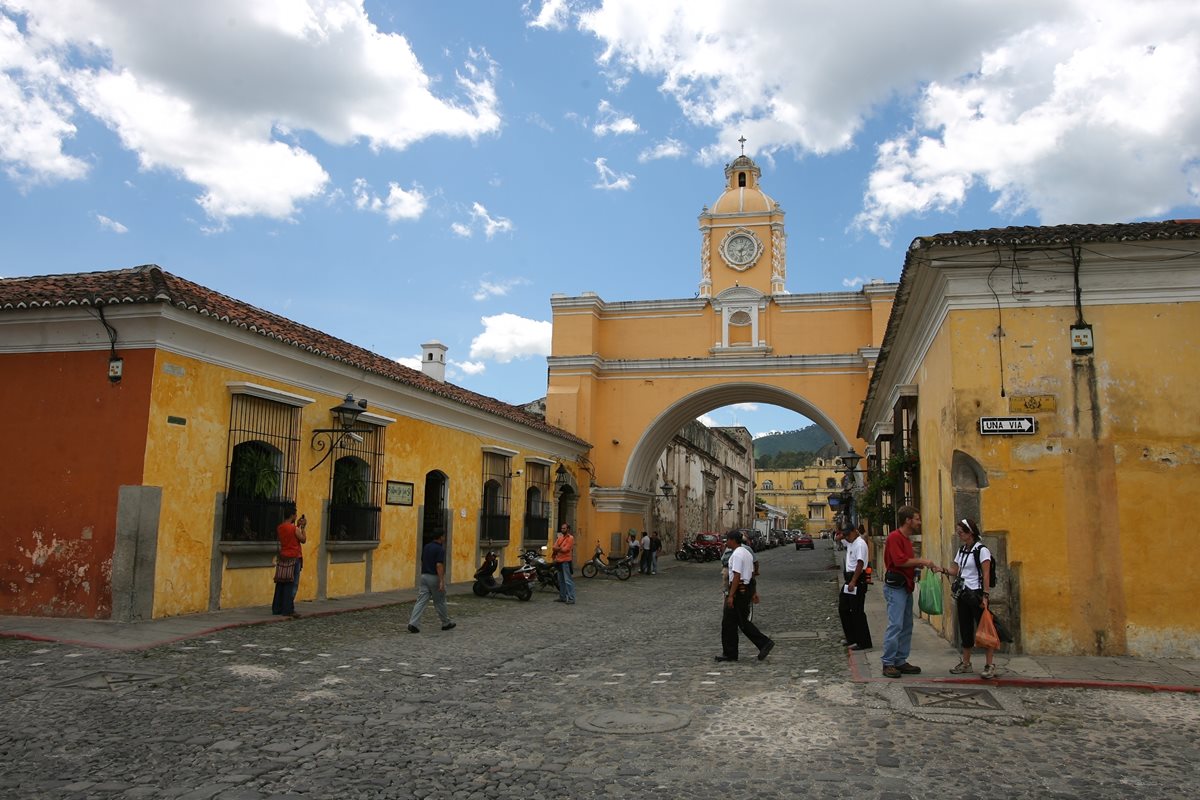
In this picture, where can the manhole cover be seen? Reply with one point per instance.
(962, 699)
(112, 681)
(632, 723)
(788, 636)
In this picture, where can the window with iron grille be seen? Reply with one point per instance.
(496, 490)
(537, 504)
(261, 463)
(356, 490)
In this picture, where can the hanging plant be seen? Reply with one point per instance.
(884, 484)
(255, 472)
(349, 482)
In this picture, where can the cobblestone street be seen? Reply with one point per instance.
(615, 696)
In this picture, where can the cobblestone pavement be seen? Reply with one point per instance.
(615, 696)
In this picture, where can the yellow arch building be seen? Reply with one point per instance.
(627, 376)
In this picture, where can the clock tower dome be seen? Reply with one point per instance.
(742, 238)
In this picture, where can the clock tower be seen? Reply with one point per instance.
(742, 238)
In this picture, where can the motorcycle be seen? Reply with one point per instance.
(691, 552)
(597, 565)
(547, 573)
(515, 581)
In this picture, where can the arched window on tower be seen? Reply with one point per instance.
(741, 180)
(768, 485)
(797, 485)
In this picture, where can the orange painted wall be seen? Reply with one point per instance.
(74, 440)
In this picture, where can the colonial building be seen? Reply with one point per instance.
(804, 491)
(159, 427)
(1042, 381)
(630, 375)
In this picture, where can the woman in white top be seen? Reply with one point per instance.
(973, 599)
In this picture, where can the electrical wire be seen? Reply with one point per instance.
(112, 332)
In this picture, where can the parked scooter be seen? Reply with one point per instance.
(547, 573)
(598, 565)
(515, 581)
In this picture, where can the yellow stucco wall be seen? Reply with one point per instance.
(188, 461)
(1089, 504)
(815, 490)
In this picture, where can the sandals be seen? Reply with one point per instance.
(962, 668)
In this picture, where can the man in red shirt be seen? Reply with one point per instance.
(899, 580)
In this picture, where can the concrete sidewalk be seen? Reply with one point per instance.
(935, 656)
(108, 635)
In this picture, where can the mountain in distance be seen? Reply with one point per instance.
(807, 441)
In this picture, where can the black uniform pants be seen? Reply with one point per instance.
(737, 618)
(852, 612)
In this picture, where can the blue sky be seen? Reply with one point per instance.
(392, 172)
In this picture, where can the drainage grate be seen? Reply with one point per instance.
(113, 681)
(959, 699)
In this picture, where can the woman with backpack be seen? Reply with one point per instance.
(972, 570)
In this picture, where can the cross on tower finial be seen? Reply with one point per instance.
(742, 140)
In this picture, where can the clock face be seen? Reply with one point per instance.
(740, 249)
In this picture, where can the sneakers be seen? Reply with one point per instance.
(725, 658)
(891, 672)
(858, 648)
(766, 650)
(449, 625)
(908, 669)
(989, 671)
(961, 668)
(413, 629)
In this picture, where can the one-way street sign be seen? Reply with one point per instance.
(1007, 425)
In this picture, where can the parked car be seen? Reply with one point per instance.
(713, 542)
(805, 541)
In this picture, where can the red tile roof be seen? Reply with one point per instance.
(152, 284)
(1063, 234)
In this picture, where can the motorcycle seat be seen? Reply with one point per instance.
(506, 571)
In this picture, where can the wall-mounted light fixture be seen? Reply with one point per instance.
(345, 415)
(667, 490)
(729, 506)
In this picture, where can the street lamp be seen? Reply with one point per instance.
(846, 497)
(345, 415)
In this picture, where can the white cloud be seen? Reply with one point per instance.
(488, 288)
(609, 120)
(412, 362)
(667, 148)
(607, 178)
(707, 421)
(1076, 110)
(853, 283)
(111, 224)
(212, 91)
(470, 367)
(765, 433)
(553, 15)
(481, 219)
(400, 204)
(507, 336)
(745, 406)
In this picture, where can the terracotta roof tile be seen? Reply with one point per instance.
(1063, 234)
(152, 284)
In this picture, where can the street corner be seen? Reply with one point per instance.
(945, 702)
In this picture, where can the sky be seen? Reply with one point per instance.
(395, 172)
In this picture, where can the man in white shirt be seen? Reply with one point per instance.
(853, 596)
(736, 615)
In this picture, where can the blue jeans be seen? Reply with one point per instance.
(897, 639)
(566, 582)
(284, 601)
(428, 588)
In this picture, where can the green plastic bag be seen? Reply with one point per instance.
(930, 599)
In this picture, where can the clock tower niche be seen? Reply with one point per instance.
(743, 243)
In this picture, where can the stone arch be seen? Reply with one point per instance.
(640, 469)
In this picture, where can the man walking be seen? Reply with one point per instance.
(432, 584)
(736, 614)
(564, 553)
(644, 566)
(899, 580)
(853, 597)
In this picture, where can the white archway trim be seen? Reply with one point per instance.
(640, 471)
